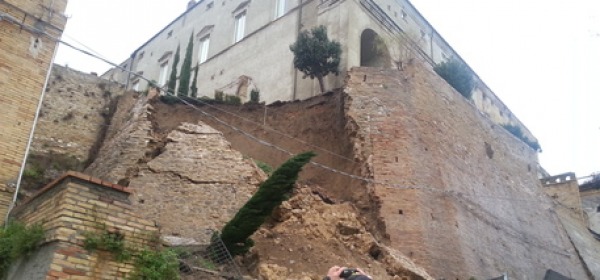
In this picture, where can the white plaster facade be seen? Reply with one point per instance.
(244, 44)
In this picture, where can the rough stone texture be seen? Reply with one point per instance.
(590, 200)
(24, 61)
(73, 113)
(565, 191)
(308, 236)
(125, 142)
(189, 181)
(588, 248)
(70, 207)
(463, 197)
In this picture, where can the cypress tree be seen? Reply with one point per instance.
(186, 69)
(173, 78)
(271, 193)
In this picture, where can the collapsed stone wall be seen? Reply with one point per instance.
(73, 120)
(461, 197)
(188, 180)
(74, 112)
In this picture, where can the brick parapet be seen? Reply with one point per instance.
(75, 205)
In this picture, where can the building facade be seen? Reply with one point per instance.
(241, 45)
(27, 29)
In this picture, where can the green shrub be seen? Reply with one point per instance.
(254, 96)
(18, 240)
(265, 167)
(270, 194)
(112, 242)
(458, 75)
(219, 96)
(34, 172)
(232, 100)
(156, 265)
(516, 131)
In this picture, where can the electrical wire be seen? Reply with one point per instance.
(452, 193)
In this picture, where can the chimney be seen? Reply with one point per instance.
(191, 4)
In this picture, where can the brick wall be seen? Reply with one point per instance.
(24, 61)
(467, 201)
(565, 190)
(69, 207)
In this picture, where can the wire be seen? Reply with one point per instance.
(460, 196)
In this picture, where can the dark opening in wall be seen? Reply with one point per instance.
(598, 209)
(402, 212)
(373, 50)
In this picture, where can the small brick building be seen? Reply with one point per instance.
(69, 207)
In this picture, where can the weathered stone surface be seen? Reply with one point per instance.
(175, 241)
(451, 205)
(73, 113)
(189, 181)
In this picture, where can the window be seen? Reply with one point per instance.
(403, 14)
(209, 5)
(280, 8)
(164, 70)
(203, 51)
(240, 25)
(170, 34)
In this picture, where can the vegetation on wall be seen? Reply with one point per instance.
(236, 233)
(155, 265)
(254, 96)
(265, 167)
(516, 131)
(186, 69)
(458, 75)
(315, 55)
(173, 78)
(112, 242)
(16, 241)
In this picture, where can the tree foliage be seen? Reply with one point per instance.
(457, 74)
(173, 78)
(270, 194)
(315, 55)
(186, 69)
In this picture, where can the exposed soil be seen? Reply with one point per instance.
(331, 220)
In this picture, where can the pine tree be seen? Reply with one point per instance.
(173, 78)
(186, 69)
(315, 55)
(270, 194)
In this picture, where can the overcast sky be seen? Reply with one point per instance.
(541, 57)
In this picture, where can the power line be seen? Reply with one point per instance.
(455, 194)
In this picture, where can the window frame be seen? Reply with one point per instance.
(239, 29)
(204, 47)
(280, 7)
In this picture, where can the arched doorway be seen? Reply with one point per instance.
(373, 50)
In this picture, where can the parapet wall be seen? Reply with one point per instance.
(68, 208)
(461, 198)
